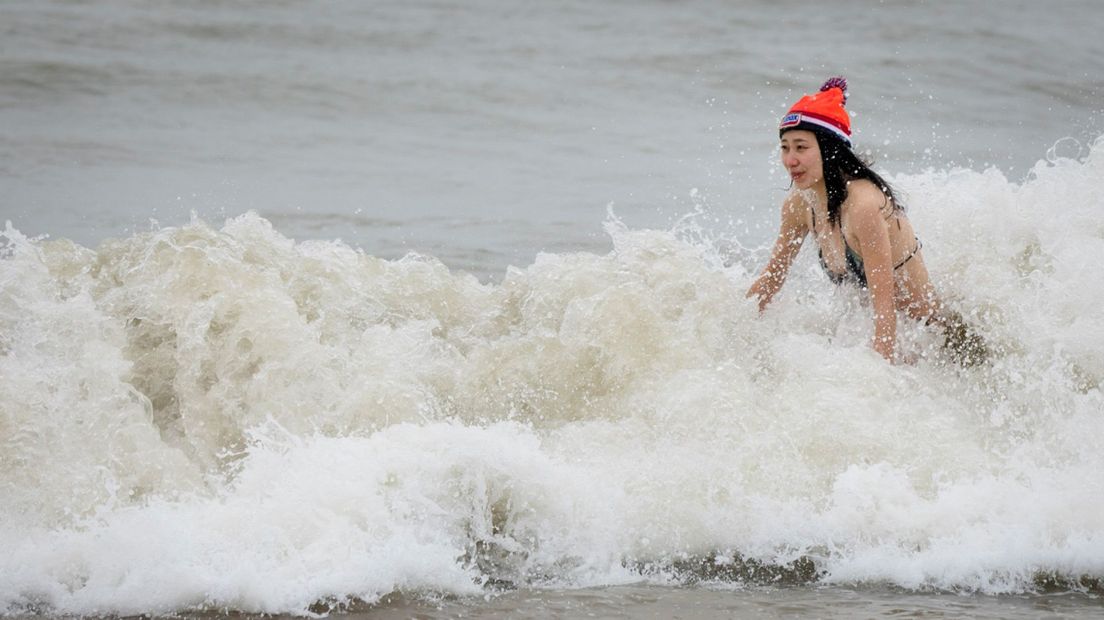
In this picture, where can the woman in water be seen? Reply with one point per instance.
(860, 228)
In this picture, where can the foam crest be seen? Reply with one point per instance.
(223, 418)
(76, 435)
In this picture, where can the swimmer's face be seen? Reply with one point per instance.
(801, 158)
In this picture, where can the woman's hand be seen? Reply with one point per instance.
(764, 287)
(884, 346)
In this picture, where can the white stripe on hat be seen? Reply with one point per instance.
(836, 130)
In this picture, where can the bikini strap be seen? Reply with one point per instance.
(919, 245)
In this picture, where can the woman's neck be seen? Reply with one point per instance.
(819, 193)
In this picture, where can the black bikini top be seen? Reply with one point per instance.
(855, 271)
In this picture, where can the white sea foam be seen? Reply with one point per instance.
(202, 418)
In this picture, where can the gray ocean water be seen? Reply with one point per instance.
(482, 132)
(199, 417)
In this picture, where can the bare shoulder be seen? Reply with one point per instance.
(795, 209)
(865, 199)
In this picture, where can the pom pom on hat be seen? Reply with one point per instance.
(839, 82)
(823, 109)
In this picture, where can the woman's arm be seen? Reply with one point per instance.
(790, 237)
(872, 232)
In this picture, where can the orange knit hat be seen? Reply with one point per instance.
(823, 109)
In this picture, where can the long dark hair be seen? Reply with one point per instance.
(842, 165)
